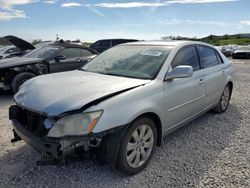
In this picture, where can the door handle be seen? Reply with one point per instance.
(202, 81)
(78, 60)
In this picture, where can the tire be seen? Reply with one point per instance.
(224, 100)
(19, 79)
(143, 148)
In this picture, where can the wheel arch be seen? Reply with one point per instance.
(153, 116)
(230, 83)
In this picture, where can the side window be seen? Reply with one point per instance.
(208, 56)
(71, 52)
(187, 56)
(219, 58)
(85, 52)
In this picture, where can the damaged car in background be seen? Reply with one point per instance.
(55, 57)
(121, 104)
(14, 46)
(242, 53)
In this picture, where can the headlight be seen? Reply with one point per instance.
(76, 124)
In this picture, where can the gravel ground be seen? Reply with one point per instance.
(212, 151)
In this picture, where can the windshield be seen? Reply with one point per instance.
(142, 62)
(43, 52)
(2, 49)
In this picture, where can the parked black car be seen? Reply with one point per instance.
(56, 57)
(16, 47)
(102, 45)
(242, 53)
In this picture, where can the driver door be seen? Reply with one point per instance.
(185, 96)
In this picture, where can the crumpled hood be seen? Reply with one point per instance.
(16, 61)
(58, 93)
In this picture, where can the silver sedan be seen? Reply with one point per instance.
(121, 104)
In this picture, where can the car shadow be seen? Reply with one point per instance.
(5, 97)
(181, 161)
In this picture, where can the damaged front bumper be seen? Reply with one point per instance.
(103, 146)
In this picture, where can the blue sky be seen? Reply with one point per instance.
(90, 20)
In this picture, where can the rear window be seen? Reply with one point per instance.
(116, 42)
(208, 56)
(219, 58)
(105, 43)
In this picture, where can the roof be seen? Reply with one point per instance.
(164, 43)
(117, 39)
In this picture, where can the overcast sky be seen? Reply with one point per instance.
(90, 20)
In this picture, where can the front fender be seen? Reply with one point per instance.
(126, 107)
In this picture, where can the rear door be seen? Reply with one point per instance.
(72, 61)
(185, 96)
(215, 78)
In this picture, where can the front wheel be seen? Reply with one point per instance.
(137, 146)
(224, 100)
(19, 79)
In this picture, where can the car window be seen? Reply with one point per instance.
(130, 61)
(219, 58)
(104, 43)
(187, 56)
(71, 52)
(85, 52)
(45, 52)
(116, 42)
(208, 56)
(12, 50)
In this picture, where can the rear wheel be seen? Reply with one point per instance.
(137, 146)
(224, 100)
(19, 79)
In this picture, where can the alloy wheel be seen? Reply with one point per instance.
(139, 146)
(225, 98)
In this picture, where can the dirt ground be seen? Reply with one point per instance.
(211, 151)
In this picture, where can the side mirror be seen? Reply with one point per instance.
(182, 71)
(60, 57)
